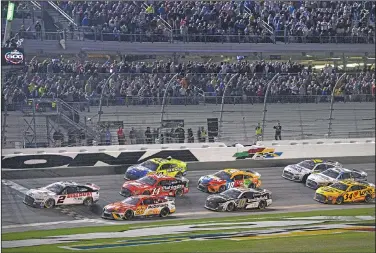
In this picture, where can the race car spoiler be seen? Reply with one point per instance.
(93, 186)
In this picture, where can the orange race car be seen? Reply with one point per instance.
(229, 178)
(158, 185)
(139, 206)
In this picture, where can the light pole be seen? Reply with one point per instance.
(164, 97)
(223, 103)
(332, 104)
(265, 104)
(100, 112)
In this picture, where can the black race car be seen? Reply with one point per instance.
(239, 198)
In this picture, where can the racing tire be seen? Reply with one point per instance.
(304, 179)
(230, 207)
(179, 193)
(222, 188)
(50, 203)
(128, 215)
(164, 212)
(179, 175)
(339, 200)
(262, 205)
(368, 198)
(88, 201)
(146, 193)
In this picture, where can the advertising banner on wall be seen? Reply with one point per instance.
(12, 56)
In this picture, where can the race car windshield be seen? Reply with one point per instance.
(130, 201)
(150, 165)
(222, 175)
(307, 164)
(147, 180)
(331, 173)
(56, 188)
(232, 193)
(339, 186)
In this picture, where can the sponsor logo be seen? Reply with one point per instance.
(14, 57)
(257, 153)
(89, 159)
(77, 195)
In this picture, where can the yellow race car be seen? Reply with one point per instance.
(168, 167)
(346, 191)
(229, 178)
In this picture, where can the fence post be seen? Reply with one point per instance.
(222, 105)
(164, 97)
(332, 104)
(265, 103)
(100, 112)
(35, 124)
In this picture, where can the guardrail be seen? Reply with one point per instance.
(94, 35)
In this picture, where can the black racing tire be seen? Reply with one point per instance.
(339, 200)
(49, 203)
(146, 193)
(88, 201)
(368, 198)
(128, 215)
(179, 192)
(164, 212)
(230, 207)
(304, 179)
(262, 205)
(222, 188)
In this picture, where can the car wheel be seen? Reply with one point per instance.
(128, 215)
(368, 198)
(262, 205)
(230, 207)
(304, 179)
(179, 193)
(164, 212)
(339, 200)
(88, 201)
(222, 188)
(146, 193)
(49, 203)
(179, 175)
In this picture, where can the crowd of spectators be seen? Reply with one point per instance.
(309, 21)
(74, 81)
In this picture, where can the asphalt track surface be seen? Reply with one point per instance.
(287, 196)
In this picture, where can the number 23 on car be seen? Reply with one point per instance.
(346, 191)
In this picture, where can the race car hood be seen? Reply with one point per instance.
(41, 192)
(134, 186)
(295, 168)
(210, 179)
(218, 198)
(138, 170)
(117, 206)
(328, 189)
(320, 178)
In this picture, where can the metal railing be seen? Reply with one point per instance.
(176, 37)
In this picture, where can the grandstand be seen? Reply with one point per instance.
(95, 66)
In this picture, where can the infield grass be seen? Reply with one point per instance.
(129, 226)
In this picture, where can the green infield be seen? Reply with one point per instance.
(252, 217)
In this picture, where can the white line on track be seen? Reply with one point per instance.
(15, 186)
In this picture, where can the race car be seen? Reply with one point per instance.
(158, 185)
(169, 167)
(229, 178)
(299, 172)
(346, 191)
(334, 175)
(239, 198)
(139, 206)
(62, 193)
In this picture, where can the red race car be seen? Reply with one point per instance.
(158, 185)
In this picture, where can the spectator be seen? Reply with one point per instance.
(258, 132)
(121, 136)
(278, 130)
(132, 136)
(108, 137)
(82, 137)
(148, 136)
(58, 138)
(191, 138)
(38, 29)
(180, 134)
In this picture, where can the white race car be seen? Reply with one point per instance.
(299, 172)
(333, 175)
(62, 193)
